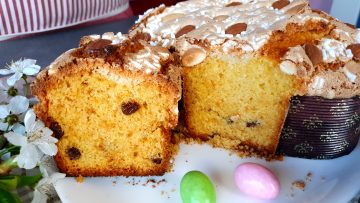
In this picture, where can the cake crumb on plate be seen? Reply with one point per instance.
(80, 179)
(299, 184)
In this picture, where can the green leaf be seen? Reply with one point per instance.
(14, 150)
(29, 180)
(9, 182)
(14, 182)
(8, 197)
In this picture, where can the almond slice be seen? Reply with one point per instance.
(297, 9)
(351, 25)
(97, 47)
(171, 17)
(236, 28)
(184, 30)
(351, 70)
(314, 53)
(288, 67)
(221, 17)
(193, 56)
(355, 49)
(235, 3)
(280, 4)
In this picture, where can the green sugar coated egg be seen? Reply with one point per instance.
(196, 187)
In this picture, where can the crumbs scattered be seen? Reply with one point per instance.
(150, 181)
(164, 193)
(161, 181)
(79, 179)
(299, 184)
(308, 177)
(114, 182)
(133, 182)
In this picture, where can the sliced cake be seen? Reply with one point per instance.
(244, 60)
(111, 103)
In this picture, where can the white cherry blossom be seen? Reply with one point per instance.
(16, 106)
(36, 142)
(4, 88)
(45, 187)
(19, 68)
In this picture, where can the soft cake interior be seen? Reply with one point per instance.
(240, 101)
(236, 102)
(110, 127)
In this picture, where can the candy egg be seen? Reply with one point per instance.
(196, 187)
(257, 181)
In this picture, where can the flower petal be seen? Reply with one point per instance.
(36, 126)
(29, 157)
(29, 120)
(39, 197)
(31, 70)
(3, 126)
(4, 111)
(14, 78)
(3, 97)
(57, 176)
(3, 85)
(6, 71)
(47, 166)
(47, 148)
(16, 139)
(18, 104)
(46, 135)
(26, 62)
(19, 129)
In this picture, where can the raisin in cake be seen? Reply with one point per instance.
(111, 103)
(244, 60)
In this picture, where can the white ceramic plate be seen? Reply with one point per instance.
(333, 181)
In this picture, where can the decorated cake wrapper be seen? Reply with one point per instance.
(319, 128)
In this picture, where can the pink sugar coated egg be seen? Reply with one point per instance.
(256, 180)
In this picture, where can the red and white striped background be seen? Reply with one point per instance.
(31, 16)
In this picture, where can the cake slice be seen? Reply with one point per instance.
(111, 103)
(244, 61)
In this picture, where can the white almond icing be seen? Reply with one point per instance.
(357, 36)
(259, 15)
(212, 18)
(299, 61)
(108, 35)
(288, 67)
(333, 49)
(318, 83)
(94, 36)
(147, 59)
(350, 75)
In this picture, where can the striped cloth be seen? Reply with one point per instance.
(19, 17)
